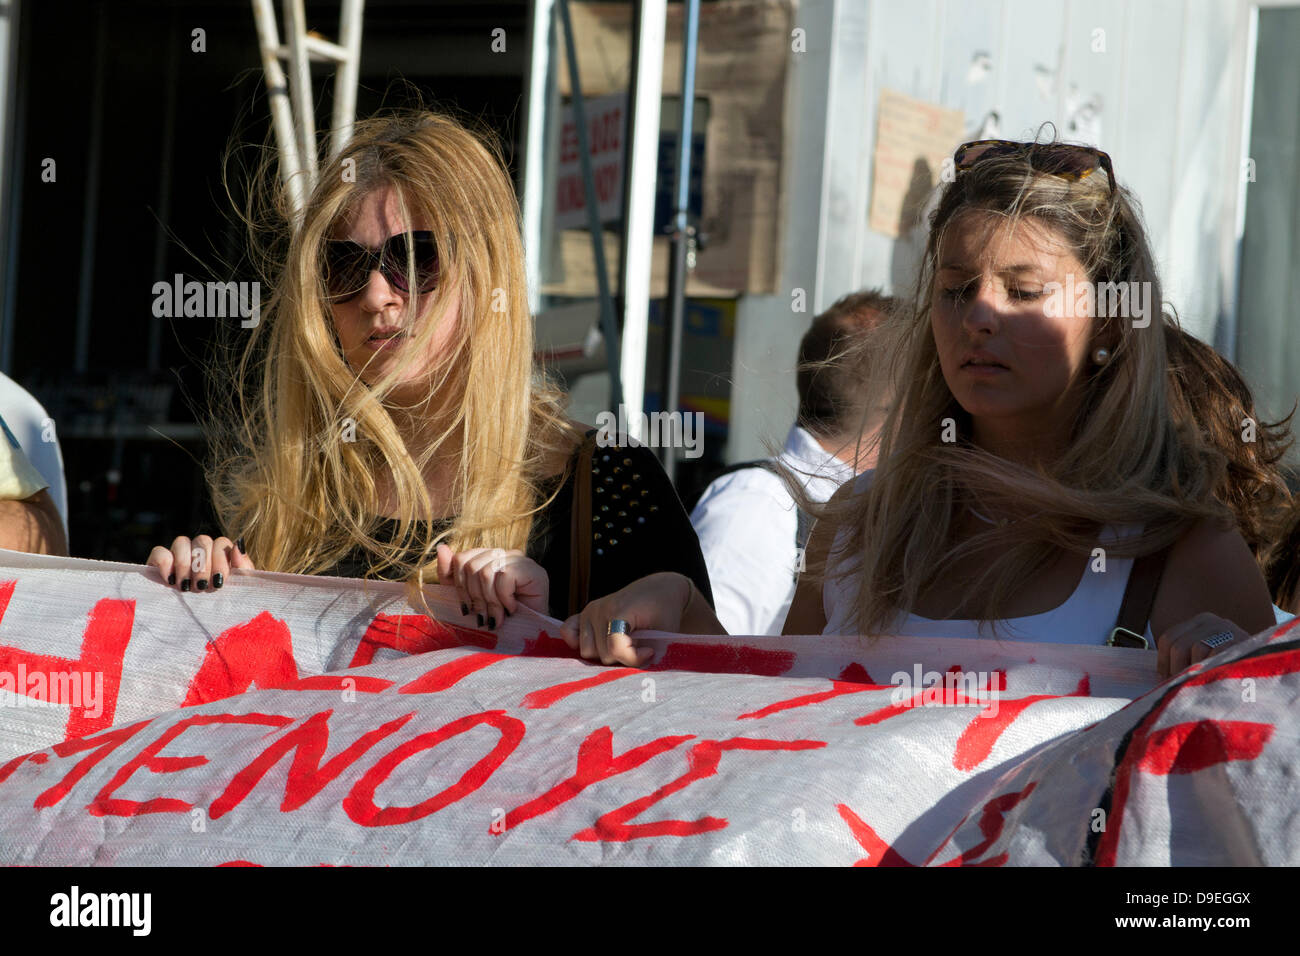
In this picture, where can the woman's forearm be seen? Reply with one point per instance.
(32, 525)
(697, 616)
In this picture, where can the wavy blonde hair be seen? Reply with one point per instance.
(1129, 459)
(1217, 397)
(296, 473)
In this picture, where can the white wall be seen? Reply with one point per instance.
(763, 397)
(1164, 97)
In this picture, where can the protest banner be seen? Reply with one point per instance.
(306, 720)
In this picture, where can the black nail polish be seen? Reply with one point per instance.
(480, 618)
(464, 610)
(239, 545)
(492, 623)
(217, 580)
(203, 584)
(171, 578)
(185, 585)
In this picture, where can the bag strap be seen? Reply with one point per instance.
(580, 528)
(690, 501)
(803, 520)
(1139, 596)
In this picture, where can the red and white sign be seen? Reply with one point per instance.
(300, 720)
(606, 128)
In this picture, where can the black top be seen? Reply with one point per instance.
(638, 527)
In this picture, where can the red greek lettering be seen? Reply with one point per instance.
(415, 634)
(725, 659)
(703, 760)
(103, 645)
(100, 746)
(105, 804)
(258, 652)
(596, 762)
(360, 805)
(306, 775)
(541, 699)
(451, 673)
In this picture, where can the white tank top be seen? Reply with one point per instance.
(1087, 616)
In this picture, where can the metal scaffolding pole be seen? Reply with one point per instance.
(292, 107)
(683, 235)
(295, 27)
(536, 101)
(607, 326)
(348, 56)
(12, 124)
(90, 222)
(643, 173)
(277, 88)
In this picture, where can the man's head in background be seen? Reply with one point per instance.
(834, 364)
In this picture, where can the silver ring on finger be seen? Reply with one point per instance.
(616, 626)
(1215, 641)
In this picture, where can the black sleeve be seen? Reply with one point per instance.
(638, 523)
(638, 528)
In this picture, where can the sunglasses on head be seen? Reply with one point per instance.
(348, 265)
(1059, 159)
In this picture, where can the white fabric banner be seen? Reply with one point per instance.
(300, 720)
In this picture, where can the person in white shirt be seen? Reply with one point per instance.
(1024, 429)
(29, 521)
(750, 529)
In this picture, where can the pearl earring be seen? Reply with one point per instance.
(1101, 356)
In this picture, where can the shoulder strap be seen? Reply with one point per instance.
(803, 530)
(803, 520)
(1139, 596)
(765, 463)
(689, 501)
(804, 526)
(580, 527)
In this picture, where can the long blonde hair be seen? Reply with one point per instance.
(296, 474)
(1127, 461)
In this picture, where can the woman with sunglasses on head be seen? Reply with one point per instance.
(389, 419)
(1039, 478)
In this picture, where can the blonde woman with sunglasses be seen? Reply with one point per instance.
(1037, 479)
(388, 418)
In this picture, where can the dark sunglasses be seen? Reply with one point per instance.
(348, 265)
(1059, 159)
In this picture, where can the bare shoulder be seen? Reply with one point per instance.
(854, 486)
(807, 614)
(32, 525)
(836, 507)
(1210, 569)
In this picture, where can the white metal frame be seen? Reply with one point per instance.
(10, 198)
(639, 230)
(539, 65)
(292, 109)
(1244, 50)
(1230, 239)
(643, 171)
